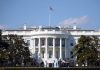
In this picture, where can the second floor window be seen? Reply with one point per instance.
(50, 41)
(57, 42)
(36, 41)
(42, 41)
(63, 42)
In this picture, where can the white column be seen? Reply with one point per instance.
(46, 48)
(65, 47)
(39, 48)
(53, 47)
(34, 44)
(31, 46)
(60, 48)
(76, 40)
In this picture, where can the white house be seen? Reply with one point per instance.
(51, 44)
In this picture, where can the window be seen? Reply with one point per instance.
(36, 54)
(36, 41)
(57, 42)
(42, 54)
(63, 54)
(42, 41)
(50, 41)
(71, 54)
(50, 54)
(28, 42)
(71, 44)
(57, 54)
(63, 42)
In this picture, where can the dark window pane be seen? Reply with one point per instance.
(57, 54)
(50, 41)
(28, 42)
(43, 54)
(36, 41)
(50, 54)
(42, 41)
(57, 42)
(71, 54)
(63, 42)
(71, 44)
(63, 54)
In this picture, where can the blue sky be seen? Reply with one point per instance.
(83, 13)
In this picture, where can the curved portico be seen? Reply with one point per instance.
(49, 46)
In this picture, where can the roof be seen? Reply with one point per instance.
(49, 28)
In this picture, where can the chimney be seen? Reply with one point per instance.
(24, 26)
(74, 27)
(40, 27)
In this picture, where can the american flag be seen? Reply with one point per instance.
(50, 8)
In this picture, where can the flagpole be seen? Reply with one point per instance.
(49, 18)
(50, 10)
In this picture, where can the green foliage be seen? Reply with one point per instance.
(13, 51)
(0, 34)
(87, 50)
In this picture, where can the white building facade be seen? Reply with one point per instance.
(51, 44)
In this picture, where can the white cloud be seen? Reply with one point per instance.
(3, 26)
(77, 21)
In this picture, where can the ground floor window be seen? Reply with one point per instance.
(42, 54)
(51, 64)
(63, 54)
(50, 54)
(57, 54)
(71, 54)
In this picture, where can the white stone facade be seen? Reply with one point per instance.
(51, 44)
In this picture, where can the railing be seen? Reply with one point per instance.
(33, 32)
(51, 32)
(85, 33)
